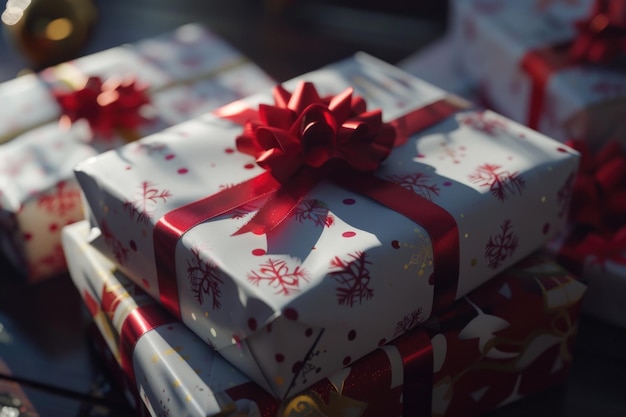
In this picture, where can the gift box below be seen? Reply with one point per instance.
(536, 62)
(72, 111)
(509, 338)
(242, 232)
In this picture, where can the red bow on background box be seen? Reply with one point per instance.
(598, 207)
(602, 36)
(109, 107)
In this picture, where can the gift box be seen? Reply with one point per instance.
(244, 241)
(548, 65)
(509, 338)
(593, 245)
(75, 110)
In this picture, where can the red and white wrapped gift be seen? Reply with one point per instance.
(556, 66)
(508, 339)
(72, 111)
(256, 223)
(593, 245)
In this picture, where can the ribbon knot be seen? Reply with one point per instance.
(302, 129)
(108, 106)
(601, 36)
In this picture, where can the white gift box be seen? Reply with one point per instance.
(343, 273)
(497, 42)
(186, 73)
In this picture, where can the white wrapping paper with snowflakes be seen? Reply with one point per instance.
(529, 64)
(510, 338)
(280, 281)
(53, 122)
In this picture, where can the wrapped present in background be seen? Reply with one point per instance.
(593, 244)
(554, 66)
(72, 111)
(468, 194)
(509, 338)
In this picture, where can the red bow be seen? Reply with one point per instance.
(302, 129)
(602, 36)
(598, 208)
(107, 106)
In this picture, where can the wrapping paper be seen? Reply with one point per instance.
(593, 245)
(181, 74)
(517, 55)
(482, 191)
(509, 338)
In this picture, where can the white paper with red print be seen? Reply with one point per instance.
(187, 72)
(493, 36)
(343, 274)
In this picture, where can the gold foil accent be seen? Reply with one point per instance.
(311, 405)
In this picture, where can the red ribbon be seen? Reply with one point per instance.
(601, 38)
(139, 321)
(302, 140)
(106, 106)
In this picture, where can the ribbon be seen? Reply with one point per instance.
(140, 320)
(601, 39)
(304, 139)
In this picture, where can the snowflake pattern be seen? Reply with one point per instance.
(117, 248)
(564, 195)
(205, 279)
(480, 121)
(277, 275)
(609, 89)
(501, 246)
(150, 148)
(408, 322)
(455, 154)
(501, 183)
(61, 201)
(418, 182)
(315, 211)
(353, 278)
(144, 201)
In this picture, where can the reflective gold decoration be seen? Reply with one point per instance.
(48, 32)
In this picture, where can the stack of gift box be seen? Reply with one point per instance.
(354, 241)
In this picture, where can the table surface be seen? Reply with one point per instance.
(51, 360)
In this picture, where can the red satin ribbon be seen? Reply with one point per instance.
(417, 358)
(106, 106)
(601, 38)
(139, 321)
(295, 180)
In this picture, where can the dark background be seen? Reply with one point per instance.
(43, 341)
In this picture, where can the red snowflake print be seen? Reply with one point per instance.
(276, 274)
(353, 278)
(205, 279)
(145, 200)
(418, 182)
(455, 154)
(408, 322)
(480, 121)
(13, 166)
(242, 211)
(609, 89)
(501, 246)
(150, 148)
(117, 248)
(501, 183)
(55, 260)
(564, 195)
(542, 5)
(62, 200)
(315, 211)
